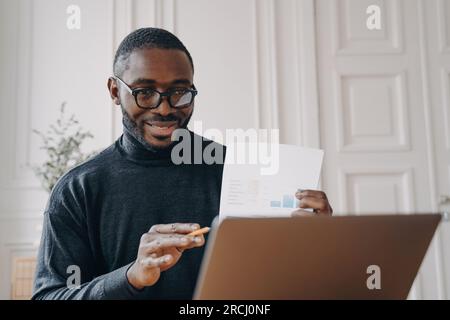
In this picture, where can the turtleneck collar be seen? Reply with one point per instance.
(134, 150)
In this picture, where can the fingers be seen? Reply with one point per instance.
(198, 241)
(170, 239)
(311, 193)
(162, 243)
(152, 244)
(312, 199)
(314, 203)
(156, 262)
(160, 249)
(183, 228)
(155, 243)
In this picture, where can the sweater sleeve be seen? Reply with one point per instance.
(65, 255)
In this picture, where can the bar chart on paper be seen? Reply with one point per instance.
(248, 193)
(288, 201)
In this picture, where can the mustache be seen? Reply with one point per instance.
(159, 118)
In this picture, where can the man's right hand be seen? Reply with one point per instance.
(159, 250)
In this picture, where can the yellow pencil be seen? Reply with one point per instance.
(199, 231)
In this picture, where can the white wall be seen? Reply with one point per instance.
(261, 50)
(44, 64)
(381, 125)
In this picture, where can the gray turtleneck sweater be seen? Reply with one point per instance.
(98, 211)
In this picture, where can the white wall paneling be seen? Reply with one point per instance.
(374, 113)
(43, 65)
(379, 93)
(442, 13)
(377, 190)
(435, 63)
(351, 39)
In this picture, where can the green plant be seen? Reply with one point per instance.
(62, 143)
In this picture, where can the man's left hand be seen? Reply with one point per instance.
(312, 199)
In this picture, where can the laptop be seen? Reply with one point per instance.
(320, 257)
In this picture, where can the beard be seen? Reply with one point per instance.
(137, 131)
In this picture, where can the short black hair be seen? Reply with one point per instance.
(146, 38)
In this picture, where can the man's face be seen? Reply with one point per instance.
(162, 70)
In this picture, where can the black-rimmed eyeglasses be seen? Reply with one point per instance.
(148, 98)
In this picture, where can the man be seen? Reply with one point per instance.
(121, 218)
